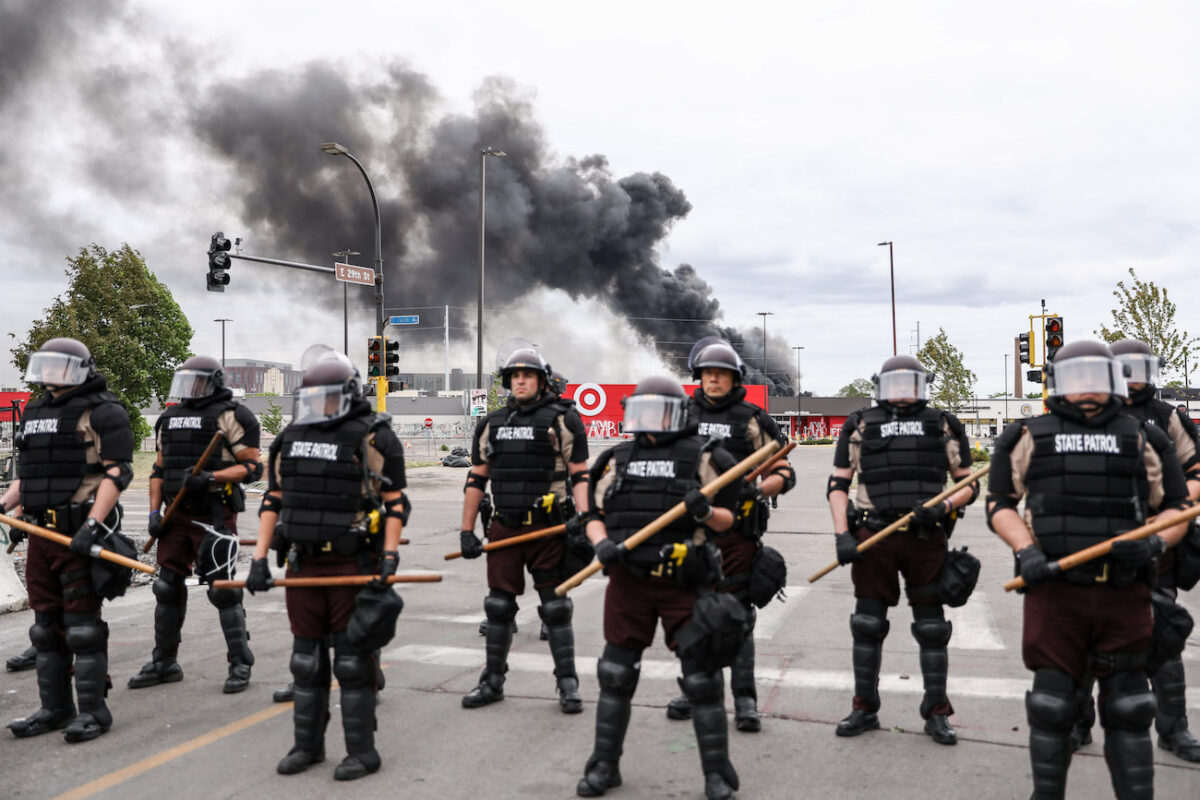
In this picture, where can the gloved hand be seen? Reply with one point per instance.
(198, 482)
(698, 505)
(928, 517)
(847, 548)
(575, 526)
(470, 544)
(1137, 552)
(85, 537)
(609, 552)
(749, 491)
(259, 579)
(387, 568)
(155, 527)
(15, 535)
(1032, 566)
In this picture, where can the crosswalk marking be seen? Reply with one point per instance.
(660, 669)
(771, 618)
(974, 625)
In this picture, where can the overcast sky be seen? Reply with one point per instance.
(1013, 152)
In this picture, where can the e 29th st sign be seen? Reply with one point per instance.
(352, 274)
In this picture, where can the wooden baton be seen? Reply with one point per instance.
(672, 514)
(867, 544)
(336, 580)
(509, 542)
(65, 541)
(1104, 548)
(196, 470)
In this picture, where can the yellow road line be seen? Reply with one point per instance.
(146, 764)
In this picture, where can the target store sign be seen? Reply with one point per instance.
(600, 404)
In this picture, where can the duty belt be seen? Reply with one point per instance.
(63, 518)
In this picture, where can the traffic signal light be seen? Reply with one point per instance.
(375, 356)
(1054, 336)
(1023, 347)
(218, 262)
(1033, 376)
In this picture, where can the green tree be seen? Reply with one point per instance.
(116, 306)
(497, 394)
(272, 419)
(859, 387)
(1145, 312)
(952, 381)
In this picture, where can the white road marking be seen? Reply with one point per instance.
(771, 618)
(527, 615)
(974, 625)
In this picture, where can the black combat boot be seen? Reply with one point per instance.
(1171, 721)
(237, 641)
(498, 640)
(745, 694)
(358, 724)
(556, 617)
(54, 689)
(310, 715)
(284, 695)
(679, 708)
(617, 672)
(706, 691)
(25, 661)
(87, 637)
(868, 632)
(163, 666)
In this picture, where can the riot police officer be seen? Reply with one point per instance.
(213, 496)
(1179, 567)
(633, 484)
(76, 459)
(901, 449)
(1087, 472)
(534, 451)
(335, 490)
(721, 409)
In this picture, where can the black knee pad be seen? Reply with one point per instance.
(46, 633)
(618, 668)
(500, 606)
(1052, 704)
(168, 587)
(306, 661)
(932, 633)
(868, 628)
(225, 598)
(703, 688)
(557, 611)
(85, 633)
(1127, 703)
(353, 668)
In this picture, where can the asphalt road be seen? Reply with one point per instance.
(189, 740)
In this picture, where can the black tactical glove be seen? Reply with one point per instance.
(15, 535)
(470, 544)
(259, 579)
(698, 505)
(749, 491)
(927, 517)
(609, 552)
(847, 548)
(1138, 553)
(85, 537)
(1032, 566)
(387, 568)
(575, 526)
(155, 526)
(198, 482)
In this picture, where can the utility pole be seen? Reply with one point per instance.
(222, 320)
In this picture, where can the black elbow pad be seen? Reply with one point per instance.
(837, 484)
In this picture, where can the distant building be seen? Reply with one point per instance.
(257, 377)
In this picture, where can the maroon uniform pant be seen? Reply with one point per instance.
(542, 557)
(634, 606)
(47, 563)
(176, 549)
(1066, 622)
(315, 613)
(919, 560)
(737, 557)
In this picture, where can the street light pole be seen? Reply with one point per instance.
(1005, 390)
(345, 302)
(766, 380)
(483, 156)
(799, 396)
(222, 320)
(892, 274)
(335, 149)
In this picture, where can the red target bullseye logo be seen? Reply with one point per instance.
(590, 399)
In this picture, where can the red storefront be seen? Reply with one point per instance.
(600, 404)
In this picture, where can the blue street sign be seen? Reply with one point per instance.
(411, 319)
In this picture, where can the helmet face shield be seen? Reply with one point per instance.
(1142, 368)
(1087, 375)
(320, 404)
(192, 383)
(655, 413)
(902, 384)
(55, 369)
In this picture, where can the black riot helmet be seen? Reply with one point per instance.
(558, 382)
(1144, 366)
(657, 405)
(902, 379)
(1084, 367)
(518, 354)
(327, 391)
(712, 351)
(60, 362)
(199, 376)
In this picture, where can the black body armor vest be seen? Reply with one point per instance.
(1154, 411)
(1084, 484)
(730, 424)
(903, 459)
(185, 433)
(521, 460)
(650, 480)
(53, 458)
(322, 472)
